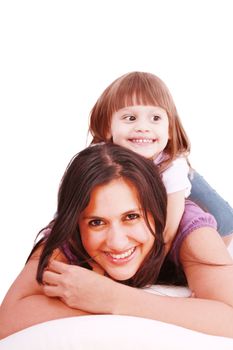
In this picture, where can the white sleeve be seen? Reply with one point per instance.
(175, 178)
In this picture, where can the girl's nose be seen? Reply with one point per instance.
(142, 127)
(117, 239)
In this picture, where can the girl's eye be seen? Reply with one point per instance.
(156, 118)
(96, 223)
(132, 216)
(130, 118)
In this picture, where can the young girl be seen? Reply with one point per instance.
(137, 111)
(111, 216)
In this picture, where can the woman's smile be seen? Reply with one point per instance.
(121, 258)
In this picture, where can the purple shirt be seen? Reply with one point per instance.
(193, 218)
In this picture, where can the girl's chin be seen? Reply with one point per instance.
(147, 155)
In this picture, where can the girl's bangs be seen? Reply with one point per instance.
(132, 94)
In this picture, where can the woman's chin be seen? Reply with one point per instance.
(120, 275)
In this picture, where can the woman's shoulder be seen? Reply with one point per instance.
(56, 255)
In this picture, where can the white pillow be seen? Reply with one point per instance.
(100, 332)
(171, 291)
(114, 332)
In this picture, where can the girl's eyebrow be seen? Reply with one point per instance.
(132, 108)
(126, 108)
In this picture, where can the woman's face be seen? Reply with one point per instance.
(113, 229)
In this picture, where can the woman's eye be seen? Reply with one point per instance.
(96, 223)
(156, 118)
(132, 216)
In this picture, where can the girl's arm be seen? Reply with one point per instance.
(209, 270)
(175, 210)
(177, 184)
(25, 303)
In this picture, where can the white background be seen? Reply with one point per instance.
(57, 57)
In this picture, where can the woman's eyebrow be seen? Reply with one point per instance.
(131, 211)
(98, 217)
(92, 216)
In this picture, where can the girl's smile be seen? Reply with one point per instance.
(113, 229)
(143, 129)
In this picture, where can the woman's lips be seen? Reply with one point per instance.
(120, 258)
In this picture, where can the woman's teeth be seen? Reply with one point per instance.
(122, 255)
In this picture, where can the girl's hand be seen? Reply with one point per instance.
(79, 288)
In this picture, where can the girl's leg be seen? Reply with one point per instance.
(209, 200)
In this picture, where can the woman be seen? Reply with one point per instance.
(110, 218)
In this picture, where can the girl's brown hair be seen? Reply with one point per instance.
(143, 89)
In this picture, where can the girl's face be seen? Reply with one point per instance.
(113, 229)
(143, 129)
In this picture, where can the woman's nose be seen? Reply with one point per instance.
(117, 239)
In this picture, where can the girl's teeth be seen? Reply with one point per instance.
(123, 255)
(142, 140)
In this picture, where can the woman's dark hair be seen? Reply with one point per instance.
(98, 165)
